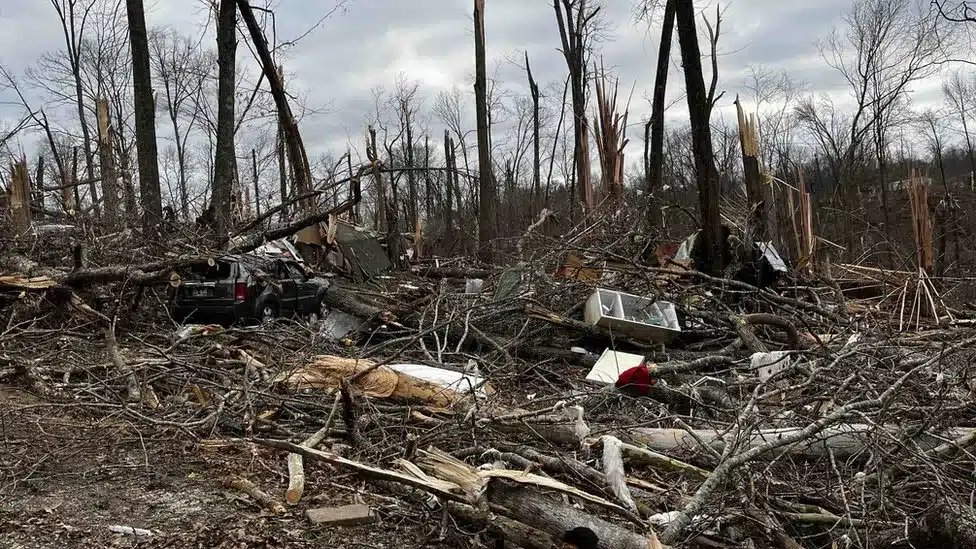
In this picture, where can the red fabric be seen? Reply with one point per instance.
(637, 378)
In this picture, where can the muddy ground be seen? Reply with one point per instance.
(69, 473)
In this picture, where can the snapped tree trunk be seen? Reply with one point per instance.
(145, 114)
(73, 45)
(20, 212)
(748, 141)
(536, 159)
(486, 206)
(428, 184)
(110, 188)
(709, 190)
(224, 152)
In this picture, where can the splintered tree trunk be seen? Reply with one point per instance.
(354, 189)
(709, 189)
(181, 166)
(110, 188)
(750, 170)
(536, 159)
(486, 207)
(152, 208)
(655, 171)
(224, 154)
(20, 197)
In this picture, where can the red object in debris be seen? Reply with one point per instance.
(666, 252)
(637, 379)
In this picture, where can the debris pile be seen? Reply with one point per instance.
(589, 393)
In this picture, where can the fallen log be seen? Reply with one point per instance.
(843, 441)
(559, 519)
(519, 496)
(501, 527)
(348, 302)
(638, 455)
(950, 525)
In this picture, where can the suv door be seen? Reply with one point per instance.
(289, 289)
(307, 289)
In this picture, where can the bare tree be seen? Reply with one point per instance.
(406, 106)
(74, 17)
(152, 209)
(700, 107)
(181, 74)
(959, 94)
(486, 201)
(655, 161)
(576, 20)
(774, 95)
(886, 46)
(224, 156)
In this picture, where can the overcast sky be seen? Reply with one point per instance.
(368, 43)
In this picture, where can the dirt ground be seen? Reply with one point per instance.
(68, 473)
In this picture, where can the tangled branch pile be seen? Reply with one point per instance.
(786, 416)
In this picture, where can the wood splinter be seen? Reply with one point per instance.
(260, 496)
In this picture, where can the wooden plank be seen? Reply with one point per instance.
(347, 515)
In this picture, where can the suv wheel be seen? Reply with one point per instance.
(268, 312)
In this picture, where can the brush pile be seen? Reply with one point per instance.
(804, 413)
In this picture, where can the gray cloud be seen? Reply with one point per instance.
(368, 43)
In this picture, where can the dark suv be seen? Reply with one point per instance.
(246, 288)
